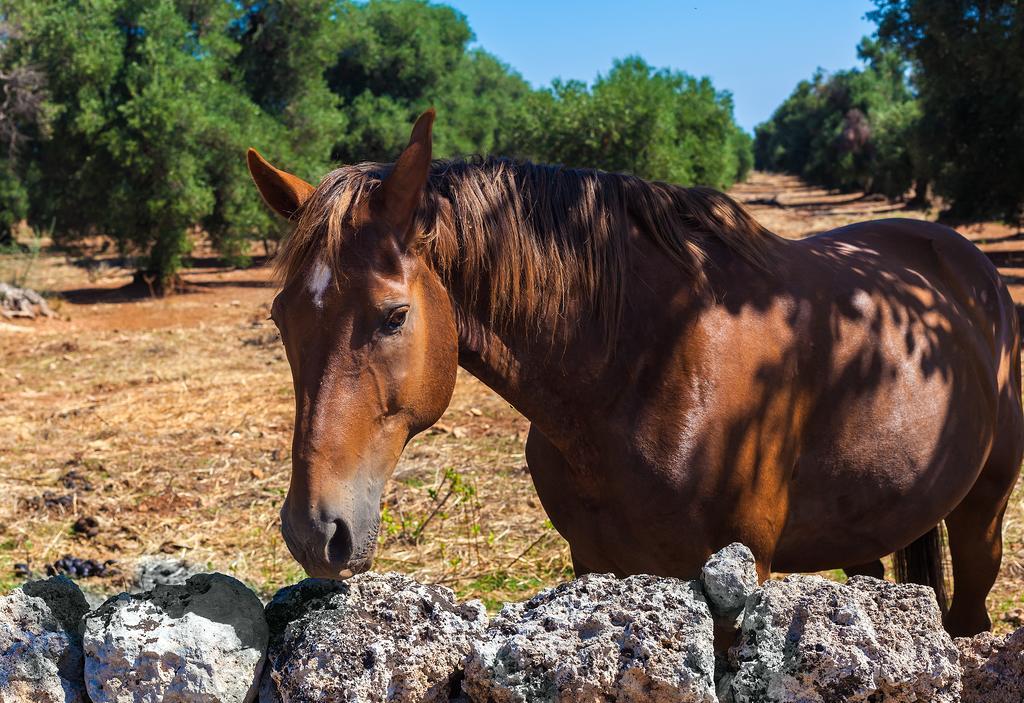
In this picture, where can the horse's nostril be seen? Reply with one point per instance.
(339, 548)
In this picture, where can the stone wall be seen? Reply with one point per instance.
(384, 637)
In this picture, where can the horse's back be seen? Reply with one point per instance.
(916, 341)
(926, 268)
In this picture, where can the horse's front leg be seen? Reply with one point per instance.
(551, 477)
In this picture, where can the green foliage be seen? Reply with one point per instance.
(396, 58)
(145, 108)
(939, 102)
(17, 259)
(850, 130)
(21, 112)
(743, 145)
(285, 46)
(968, 60)
(135, 87)
(454, 491)
(658, 124)
(13, 199)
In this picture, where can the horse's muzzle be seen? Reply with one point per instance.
(326, 548)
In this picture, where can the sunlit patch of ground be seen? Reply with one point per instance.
(169, 421)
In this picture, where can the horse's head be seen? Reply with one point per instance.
(371, 341)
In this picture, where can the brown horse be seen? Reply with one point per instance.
(691, 379)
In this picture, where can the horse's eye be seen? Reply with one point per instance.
(396, 318)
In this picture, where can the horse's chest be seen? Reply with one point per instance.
(621, 515)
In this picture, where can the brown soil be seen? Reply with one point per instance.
(169, 421)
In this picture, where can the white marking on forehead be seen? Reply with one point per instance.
(319, 278)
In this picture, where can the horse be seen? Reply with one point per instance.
(691, 379)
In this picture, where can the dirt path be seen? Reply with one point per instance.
(169, 421)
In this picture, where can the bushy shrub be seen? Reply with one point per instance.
(654, 123)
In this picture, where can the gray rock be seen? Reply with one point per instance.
(41, 643)
(806, 638)
(374, 637)
(94, 598)
(992, 667)
(153, 571)
(642, 639)
(22, 302)
(728, 578)
(202, 641)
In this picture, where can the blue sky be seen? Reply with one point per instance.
(758, 50)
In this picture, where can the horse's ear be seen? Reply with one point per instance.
(282, 191)
(402, 190)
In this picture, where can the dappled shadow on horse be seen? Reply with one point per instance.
(691, 379)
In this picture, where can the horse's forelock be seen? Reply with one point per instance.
(321, 224)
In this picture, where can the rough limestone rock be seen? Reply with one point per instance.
(374, 637)
(22, 302)
(642, 639)
(41, 643)
(992, 667)
(728, 578)
(203, 642)
(153, 571)
(805, 638)
(94, 598)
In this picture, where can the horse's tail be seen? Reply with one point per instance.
(922, 562)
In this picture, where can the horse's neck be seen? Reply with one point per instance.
(567, 383)
(527, 378)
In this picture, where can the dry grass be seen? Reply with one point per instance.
(177, 412)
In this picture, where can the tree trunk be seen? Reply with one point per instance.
(922, 193)
(165, 260)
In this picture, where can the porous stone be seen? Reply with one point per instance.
(372, 638)
(806, 638)
(94, 598)
(642, 639)
(41, 643)
(22, 302)
(729, 576)
(153, 571)
(202, 641)
(992, 667)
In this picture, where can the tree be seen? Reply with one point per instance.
(654, 123)
(284, 48)
(482, 104)
(146, 114)
(21, 112)
(394, 59)
(968, 67)
(854, 129)
(143, 110)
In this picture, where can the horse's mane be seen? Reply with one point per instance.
(525, 242)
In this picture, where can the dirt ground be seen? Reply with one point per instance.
(169, 422)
